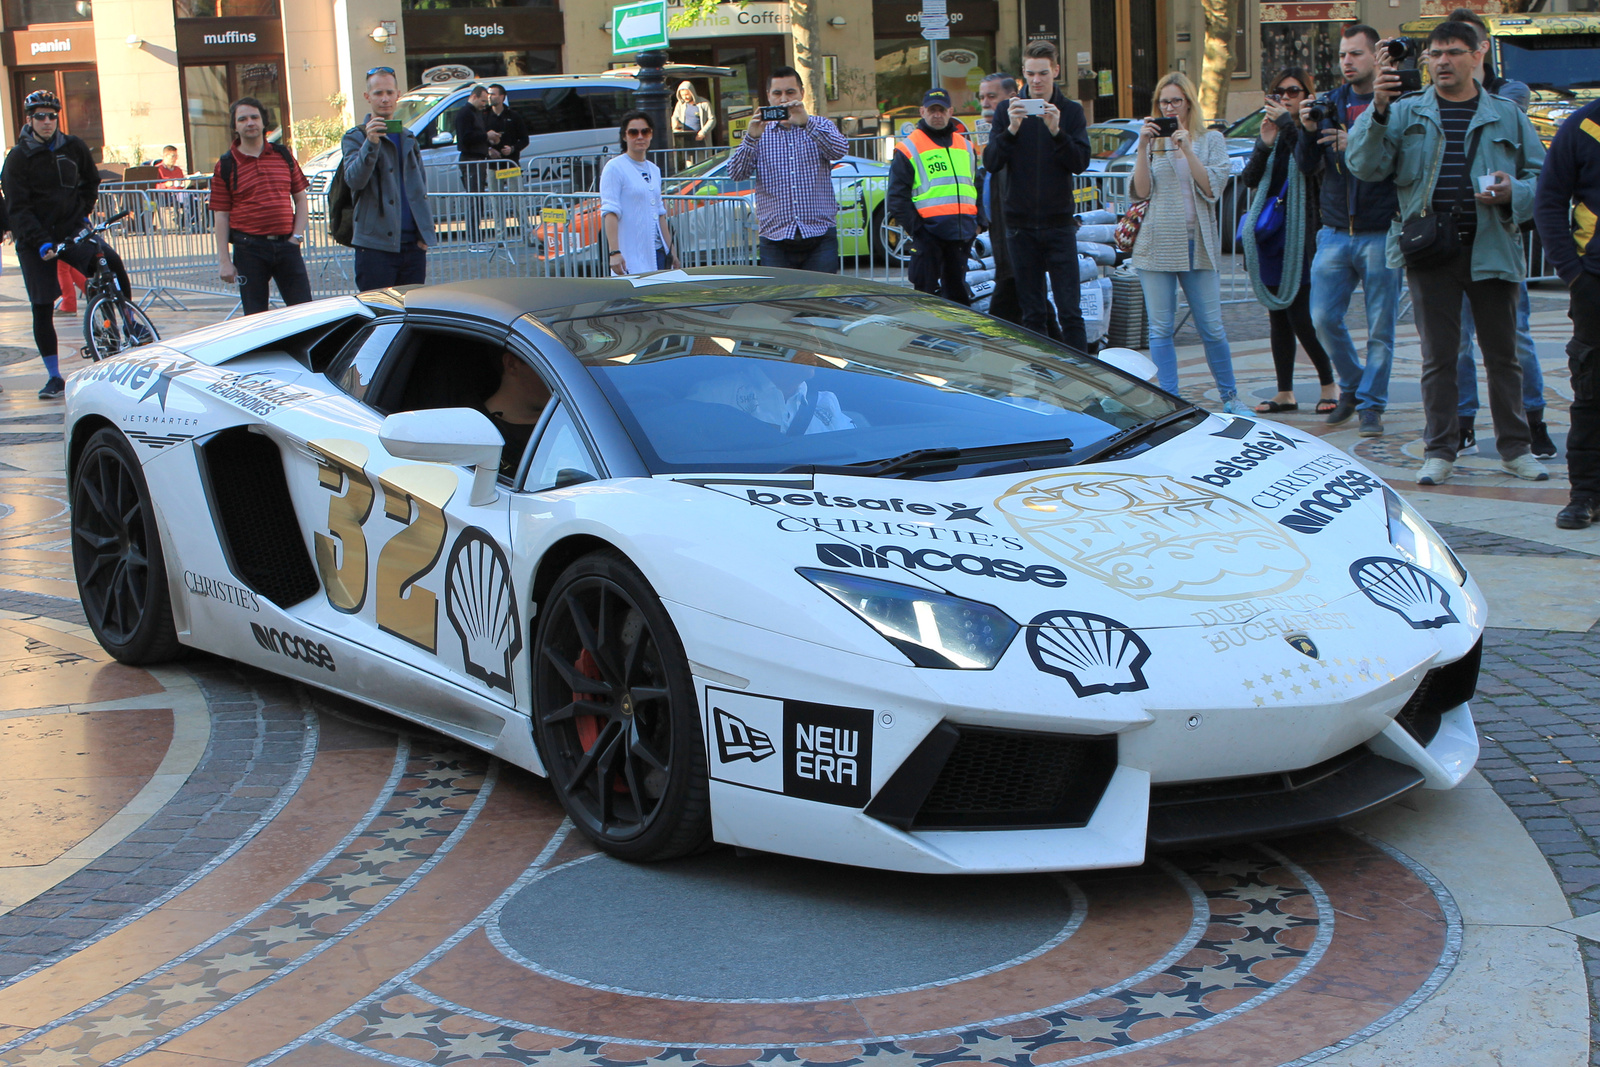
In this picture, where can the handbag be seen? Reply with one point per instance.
(1433, 238)
(1269, 224)
(1127, 231)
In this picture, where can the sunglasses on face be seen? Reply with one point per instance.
(44, 116)
(639, 133)
(1291, 90)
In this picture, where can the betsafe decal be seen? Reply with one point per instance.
(814, 499)
(1093, 653)
(895, 557)
(1252, 455)
(823, 753)
(1405, 589)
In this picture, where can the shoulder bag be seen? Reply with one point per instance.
(1127, 231)
(1433, 238)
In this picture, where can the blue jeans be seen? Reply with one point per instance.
(1203, 290)
(819, 253)
(379, 269)
(1343, 260)
(1467, 369)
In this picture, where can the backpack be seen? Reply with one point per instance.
(341, 208)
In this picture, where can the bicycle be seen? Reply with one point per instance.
(112, 323)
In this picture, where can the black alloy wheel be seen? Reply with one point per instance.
(116, 554)
(615, 715)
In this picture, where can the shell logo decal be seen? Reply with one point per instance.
(1093, 653)
(1405, 589)
(481, 607)
(1149, 536)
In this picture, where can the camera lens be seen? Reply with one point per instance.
(1402, 49)
(1318, 112)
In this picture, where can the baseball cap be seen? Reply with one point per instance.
(936, 98)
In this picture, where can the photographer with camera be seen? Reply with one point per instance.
(791, 158)
(1283, 240)
(1466, 367)
(1350, 243)
(1439, 145)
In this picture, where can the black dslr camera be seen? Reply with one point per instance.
(1404, 54)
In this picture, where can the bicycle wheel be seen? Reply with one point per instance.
(112, 325)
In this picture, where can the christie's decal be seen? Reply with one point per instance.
(932, 559)
(824, 752)
(953, 512)
(257, 393)
(888, 528)
(1093, 653)
(216, 589)
(294, 647)
(1323, 506)
(1308, 473)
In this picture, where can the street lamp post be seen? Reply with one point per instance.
(651, 96)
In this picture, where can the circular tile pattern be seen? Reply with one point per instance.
(720, 927)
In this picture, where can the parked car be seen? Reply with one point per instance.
(567, 115)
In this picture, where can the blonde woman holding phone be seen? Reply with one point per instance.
(631, 209)
(1181, 168)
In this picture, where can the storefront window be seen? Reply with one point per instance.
(209, 88)
(903, 75)
(28, 12)
(486, 65)
(212, 9)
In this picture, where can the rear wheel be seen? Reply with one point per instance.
(116, 554)
(888, 239)
(112, 325)
(615, 715)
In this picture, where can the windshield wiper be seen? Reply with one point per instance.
(1117, 442)
(934, 457)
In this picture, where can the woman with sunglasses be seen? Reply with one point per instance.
(632, 212)
(1284, 288)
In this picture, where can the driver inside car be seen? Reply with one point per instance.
(778, 393)
(515, 406)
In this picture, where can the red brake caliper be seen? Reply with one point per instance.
(588, 726)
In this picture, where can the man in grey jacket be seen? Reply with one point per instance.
(393, 225)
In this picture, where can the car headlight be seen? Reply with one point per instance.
(932, 629)
(1416, 541)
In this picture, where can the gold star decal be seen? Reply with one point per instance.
(1305, 668)
(1266, 679)
(1348, 678)
(1296, 690)
(1286, 672)
(1315, 684)
(1277, 694)
(1259, 702)
(1248, 684)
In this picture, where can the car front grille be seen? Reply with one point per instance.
(1442, 689)
(1015, 779)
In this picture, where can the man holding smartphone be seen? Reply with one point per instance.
(1351, 243)
(1042, 145)
(1478, 193)
(792, 162)
(382, 165)
(258, 203)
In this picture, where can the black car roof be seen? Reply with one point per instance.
(504, 300)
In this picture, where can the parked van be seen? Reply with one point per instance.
(566, 115)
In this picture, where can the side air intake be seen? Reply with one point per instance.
(254, 514)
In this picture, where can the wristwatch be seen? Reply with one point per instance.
(297, 238)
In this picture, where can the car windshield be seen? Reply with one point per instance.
(843, 380)
(1249, 126)
(414, 105)
(705, 166)
(1106, 142)
(1559, 61)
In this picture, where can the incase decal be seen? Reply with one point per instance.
(140, 378)
(237, 595)
(1405, 589)
(1323, 506)
(814, 499)
(287, 644)
(1093, 653)
(480, 605)
(932, 559)
(823, 753)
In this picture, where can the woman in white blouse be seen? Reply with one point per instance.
(1182, 173)
(691, 118)
(631, 209)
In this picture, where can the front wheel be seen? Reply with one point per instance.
(113, 325)
(116, 554)
(615, 715)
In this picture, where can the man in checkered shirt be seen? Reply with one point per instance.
(792, 162)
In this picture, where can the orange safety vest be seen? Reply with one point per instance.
(946, 177)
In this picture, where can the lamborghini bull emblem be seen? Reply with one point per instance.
(1154, 536)
(1303, 644)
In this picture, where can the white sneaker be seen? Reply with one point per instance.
(1525, 466)
(1434, 471)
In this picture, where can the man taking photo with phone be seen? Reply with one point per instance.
(1351, 243)
(1457, 232)
(792, 162)
(1042, 144)
(383, 167)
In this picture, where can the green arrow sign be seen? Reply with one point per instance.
(638, 27)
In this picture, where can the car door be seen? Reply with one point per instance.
(411, 568)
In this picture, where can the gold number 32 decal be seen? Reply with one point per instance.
(415, 496)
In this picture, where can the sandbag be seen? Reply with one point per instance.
(1103, 255)
(984, 288)
(976, 276)
(1099, 234)
(1098, 217)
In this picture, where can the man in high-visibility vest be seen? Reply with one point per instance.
(933, 193)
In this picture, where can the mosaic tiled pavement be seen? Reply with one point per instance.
(234, 869)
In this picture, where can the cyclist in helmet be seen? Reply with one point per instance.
(50, 183)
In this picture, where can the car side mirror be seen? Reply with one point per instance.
(461, 436)
(442, 138)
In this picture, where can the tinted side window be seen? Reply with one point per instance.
(561, 458)
(560, 110)
(355, 367)
(529, 104)
(606, 105)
